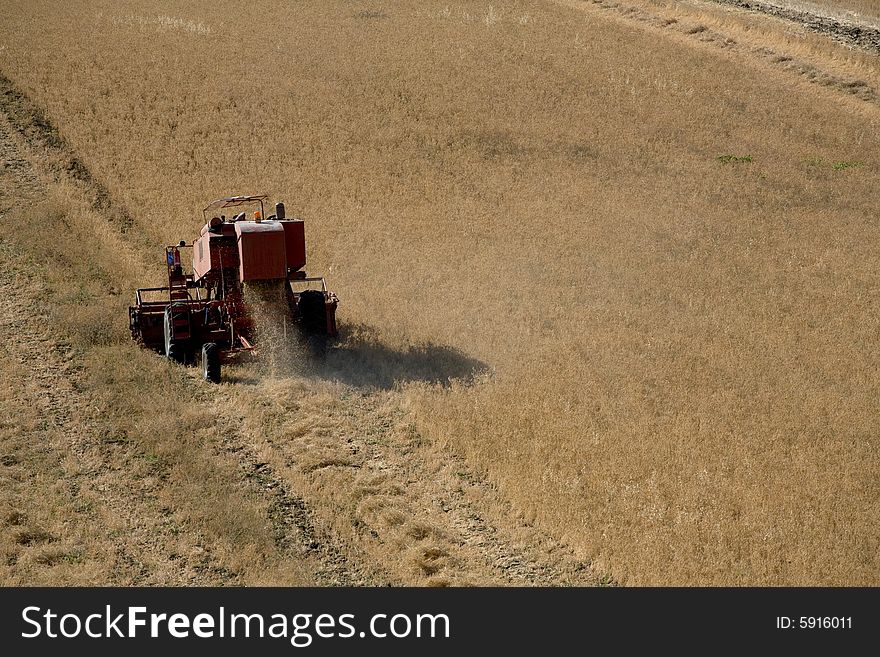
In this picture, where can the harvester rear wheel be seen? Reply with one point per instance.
(173, 351)
(211, 362)
(317, 345)
(312, 311)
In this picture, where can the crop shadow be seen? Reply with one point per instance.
(362, 360)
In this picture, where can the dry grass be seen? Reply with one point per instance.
(681, 351)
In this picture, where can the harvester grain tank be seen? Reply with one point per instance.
(207, 314)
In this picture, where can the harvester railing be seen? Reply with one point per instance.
(167, 290)
(314, 279)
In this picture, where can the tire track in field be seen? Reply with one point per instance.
(398, 500)
(297, 531)
(107, 530)
(861, 34)
(663, 20)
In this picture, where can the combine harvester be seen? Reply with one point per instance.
(238, 265)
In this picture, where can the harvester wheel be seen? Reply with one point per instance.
(317, 344)
(173, 351)
(211, 362)
(312, 311)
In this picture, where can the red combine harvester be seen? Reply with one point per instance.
(236, 262)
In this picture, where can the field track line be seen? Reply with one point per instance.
(70, 438)
(693, 30)
(851, 31)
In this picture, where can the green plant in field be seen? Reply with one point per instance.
(74, 556)
(606, 580)
(840, 166)
(727, 159)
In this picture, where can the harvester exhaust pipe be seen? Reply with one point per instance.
(279, 211)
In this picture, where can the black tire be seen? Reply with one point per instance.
(211, 362)
(176, 353)
(317, 346)
(173, 351)
(312, 312)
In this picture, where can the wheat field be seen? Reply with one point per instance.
(639, 268)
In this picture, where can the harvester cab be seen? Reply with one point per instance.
(244, 269)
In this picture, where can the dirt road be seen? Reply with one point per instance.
(850, 29)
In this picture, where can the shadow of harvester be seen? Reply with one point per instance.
(360, 359)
